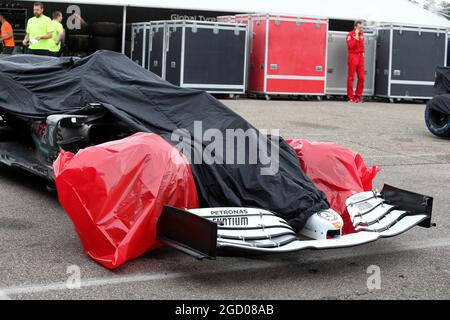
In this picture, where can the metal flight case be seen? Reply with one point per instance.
(407, 57)
(139, 43)
(287, 55)
(210, 56)
(337, 70)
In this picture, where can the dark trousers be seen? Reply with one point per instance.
(38, 52)
(55, 54)
(8, 50)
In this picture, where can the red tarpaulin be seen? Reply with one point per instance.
(114, 194)
(337, 171)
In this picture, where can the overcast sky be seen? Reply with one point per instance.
(438, 1)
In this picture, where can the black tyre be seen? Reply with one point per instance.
(84, 29)
(77, 43)
(106, 43)
(106, 29)
(437, 122)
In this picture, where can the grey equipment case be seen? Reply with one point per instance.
(337, 55)
(210, 56)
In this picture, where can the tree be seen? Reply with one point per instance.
(442, 8)
(414, 2)
(431, 5)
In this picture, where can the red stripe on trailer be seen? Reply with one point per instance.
(293, 86)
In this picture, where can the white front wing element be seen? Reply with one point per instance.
(261, 231)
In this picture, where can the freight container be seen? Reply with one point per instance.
(337, 70)
(210, 56)
(407, 57)
(139, 43)
(156, 48)
(287, 54)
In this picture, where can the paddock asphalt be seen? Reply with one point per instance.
(39, 247)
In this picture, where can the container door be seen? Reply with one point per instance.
(412, 75)
(137, 53)
(174, 37)
(156, 48)
(257, 55)
(297, 56)
(382, 65)
(337, 63)
(370, 59)
(214, 58)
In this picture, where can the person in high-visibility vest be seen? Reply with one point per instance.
(355, 43)
(6, 35)
(58, 34)
(38, 36)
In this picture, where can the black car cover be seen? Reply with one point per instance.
(441, 102)
(442, 82)
(41, 86)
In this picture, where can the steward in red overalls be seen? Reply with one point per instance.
(355, 43)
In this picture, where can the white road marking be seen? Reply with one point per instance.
(4, 296)
(117, 280)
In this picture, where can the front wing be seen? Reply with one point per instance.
(204, 232)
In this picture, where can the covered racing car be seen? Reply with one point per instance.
(123, 148)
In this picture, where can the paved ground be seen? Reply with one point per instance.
(38, 243)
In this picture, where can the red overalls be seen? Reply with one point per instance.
(355, 64)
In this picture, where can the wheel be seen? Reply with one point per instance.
(438, 123)
(106, 29)
(319, 98)
(267, 97)
(105, 43)
(78, 43)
